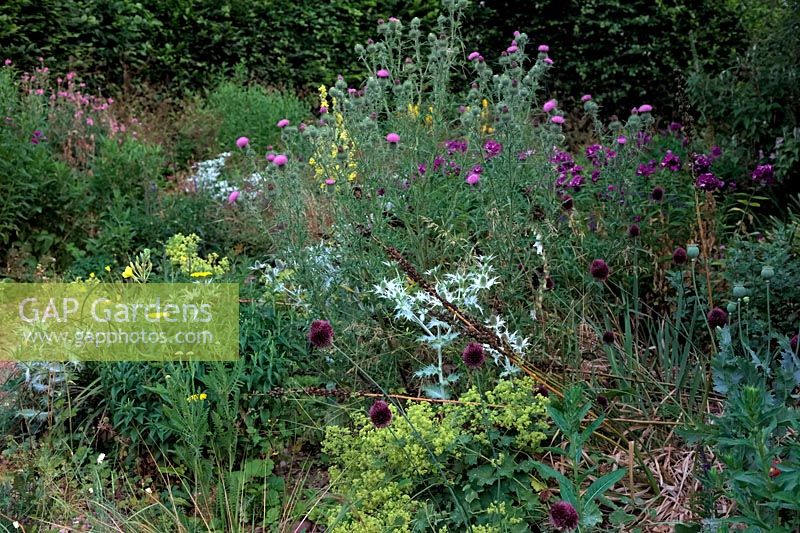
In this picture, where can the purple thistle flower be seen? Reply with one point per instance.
(563, 516)
(280, 160)
(709, 182)
(382, 73)
(764, 175)
(675, 127)
(473, 56)
(646, 108)
(549, 106)
(599, 270)
(586, 97)
(671, 161)
(421, 168)
(473, 179)
(242, 142)
(701, 163)
(380, 414)
(392, 138)
(320, 334)
(473, 355)
(679, 256)
(455, 145)
(557, 119)
(717, 317)
(544, 48)
(492, 148)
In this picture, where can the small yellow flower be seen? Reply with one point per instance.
(128, 272)
(203, 396)
(203, 274)
(91, 275)
(108, 268)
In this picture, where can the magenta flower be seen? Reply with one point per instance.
(270, 157)
(473, 355)
(473, 56)
(280, 160)
(392, 138)
(492, 148)
(320, 334)
(380, 414)
(473, 178)
(232, 197)
(671, 161)
(549, 106)
(382, 73)
(330, 181)
(622, 139)
(544, 48)
(646, 108)
(586, 97)
(7, 62)
(242, 142)
(557, 119)
(709, 182)
(599, 270)
(764, 175)
(282, 123)
(511, 49)
(563, 516)
(548, 61)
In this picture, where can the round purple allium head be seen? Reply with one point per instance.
(544, 48)
(608, 337)
(473, 178)
(380, 414)
(646, 108)
(634, 231)
(282, 123)
(563, 516)
(382, 73)
(557, 119)
(549, 106)
(657, 194)
(717, 317)
(586, 97)
(242, 142)
(473, 355)
(679, 256)
(392, 138)
(599, 270)
(280, 160)
(232, 197)
(320, 334)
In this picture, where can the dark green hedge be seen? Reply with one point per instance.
(626, 51)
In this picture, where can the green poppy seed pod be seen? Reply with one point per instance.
(693, 251)
(732, 307)
(739, 291)
(767, 272)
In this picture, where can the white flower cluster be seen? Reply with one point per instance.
(208, 179)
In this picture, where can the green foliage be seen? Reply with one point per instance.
(459, 457)
(754, 439)
(253, 112)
